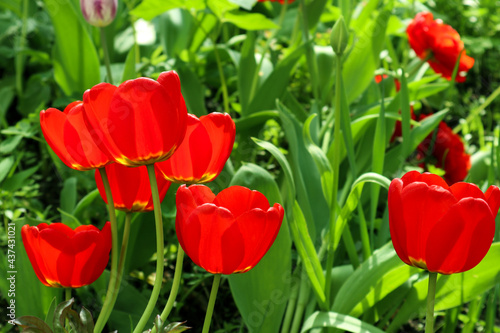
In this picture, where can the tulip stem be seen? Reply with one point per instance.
(431, 293)
(106, 55)
(110, 294)
(67, 294)
(175, 284)
(159, 251)
(211, 303)
(335, 170)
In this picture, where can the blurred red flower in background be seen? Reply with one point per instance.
(140, 122)
(130, 187)
(68, 136)
(206, 147)
(63, 257)
(440, 44)
(228, 233)
(446, 150)
(441, 228)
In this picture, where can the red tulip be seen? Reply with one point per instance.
(140, 122)
(67, 135)
(63, 257)
(130, 187)
(204, 151)
(441, 228)
(228, 233)
(429, 37)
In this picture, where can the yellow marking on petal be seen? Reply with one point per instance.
(418, 263)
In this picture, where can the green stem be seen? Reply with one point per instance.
(175, 284)
(67, 294)
(110, 294)
(304, 293)
(335, 170)
(292, 300)
(211, 303)
(431, 293)
(121, 265)
(159, 251)
(106, 55)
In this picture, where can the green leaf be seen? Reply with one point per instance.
(76, 64)
(175, 30)
(129, 72)
(382, 273)
(253, 120)
(84, 204)
(249, 21)
(247, 4)
(19, 179)
(68, 198)
(319, 157)
(149, 9)
(5, 166)
(305, 174)
(278, 155)
(364, 58)
(262, 293)
(246, 71)
(142, 244)
(314, 9)
(275, 85)
(221, 7)
(32, 324)
(333, 319)
(192, 90)
(306, 250)
(9, 144)
(87, 321)
(451, 290)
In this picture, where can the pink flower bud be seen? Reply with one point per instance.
(99, 13)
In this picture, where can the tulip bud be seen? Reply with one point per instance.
(99, 13)
(339, 37)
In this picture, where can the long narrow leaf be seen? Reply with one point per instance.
(337, 320)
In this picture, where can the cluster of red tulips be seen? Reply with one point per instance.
(127, 131)
(140, 131)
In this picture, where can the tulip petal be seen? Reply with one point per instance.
(466, 190)
(187, 199)
(422, 207)
(239, 199)
(30, 238)
(259, 230)
(97, 102)
(428, 178)
(190, 161)
(397, 224)
(215, 242)
(493, 198)
(461, 238)
(221, 130)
